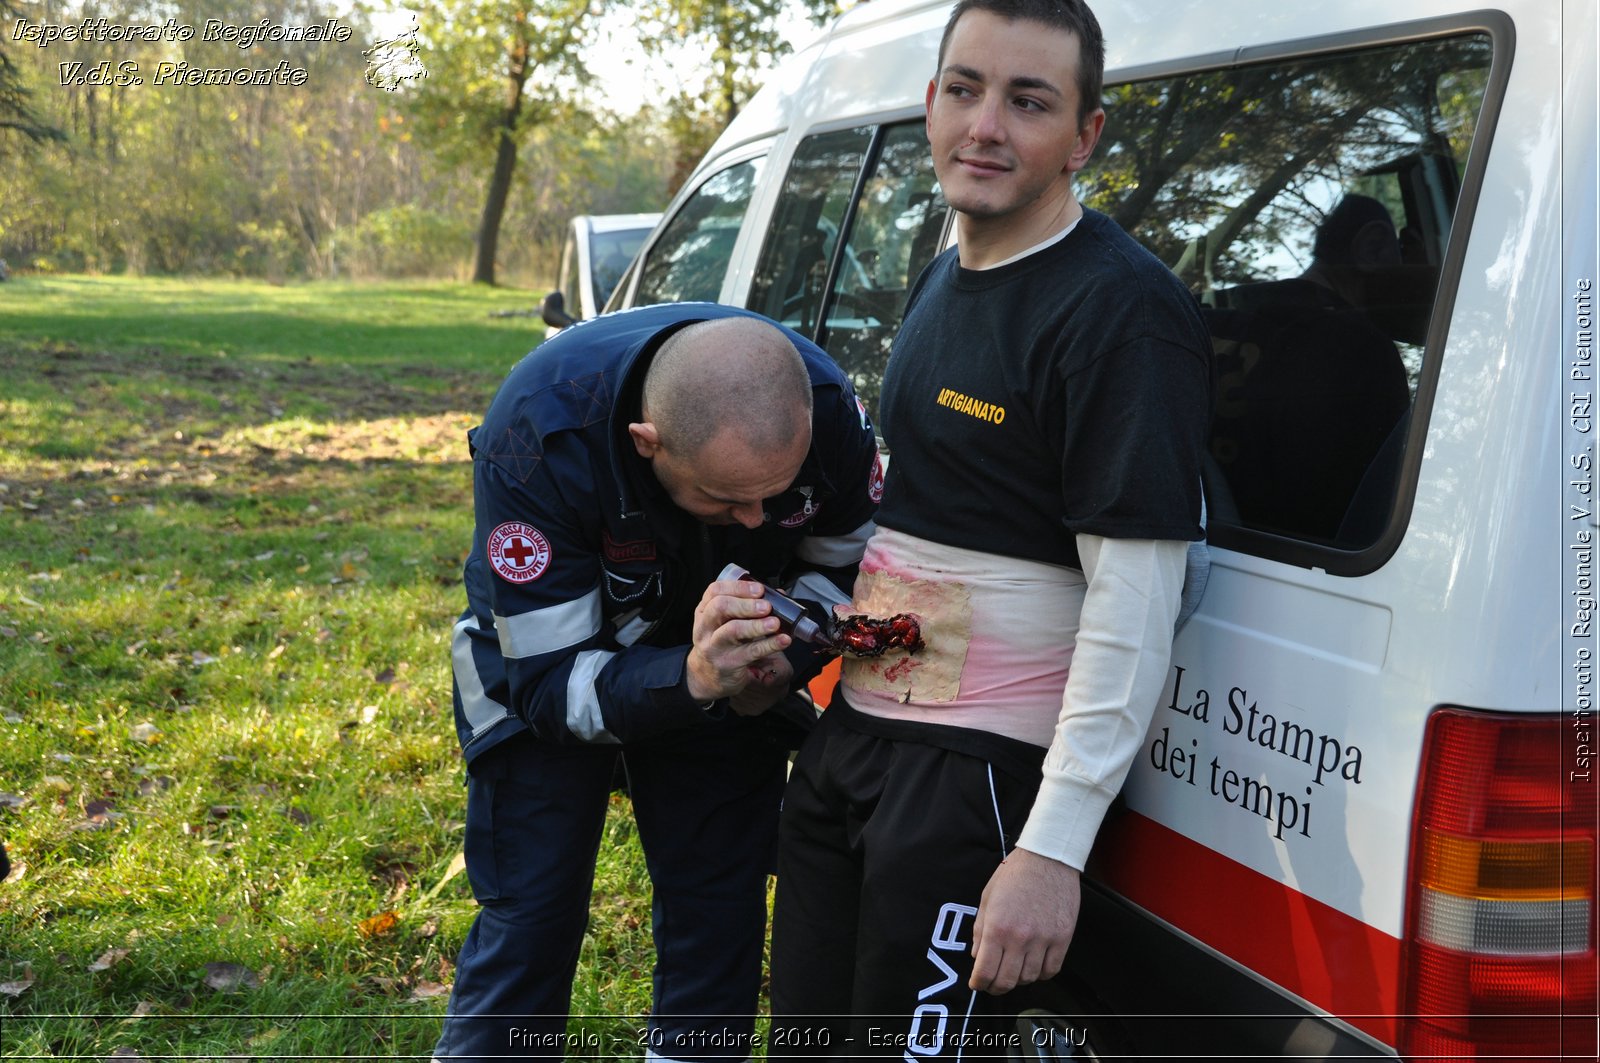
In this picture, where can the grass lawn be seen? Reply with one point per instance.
(232, 518)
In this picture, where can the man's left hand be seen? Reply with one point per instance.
(1026, 917)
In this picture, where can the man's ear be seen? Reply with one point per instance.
(1084, 143)
(646, 440)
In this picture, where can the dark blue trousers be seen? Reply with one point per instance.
(706, 804)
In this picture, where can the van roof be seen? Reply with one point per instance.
(605, 223)
(772, 109)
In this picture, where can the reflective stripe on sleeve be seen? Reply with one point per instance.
(584, 719)
(819, 588)
(555, 627)
(835, 551)
(482, 712)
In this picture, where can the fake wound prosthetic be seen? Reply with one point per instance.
(856, 635)
(865, 636)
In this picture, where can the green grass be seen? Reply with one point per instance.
(232, 518)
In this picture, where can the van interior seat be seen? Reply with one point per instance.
(1307, 391)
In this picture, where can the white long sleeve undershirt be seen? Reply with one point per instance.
(1119, 665)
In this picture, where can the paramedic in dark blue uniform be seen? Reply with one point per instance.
(620, 467)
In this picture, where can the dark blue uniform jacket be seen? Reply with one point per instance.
(583, 576)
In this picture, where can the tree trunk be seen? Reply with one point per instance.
(494, 208)
(505, 163)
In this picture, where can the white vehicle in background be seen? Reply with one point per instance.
(597, 252)
(1363, 821)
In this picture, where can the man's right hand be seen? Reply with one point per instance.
(733, 628)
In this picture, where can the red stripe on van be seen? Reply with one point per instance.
(1319, 953)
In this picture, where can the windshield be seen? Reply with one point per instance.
(610, 254)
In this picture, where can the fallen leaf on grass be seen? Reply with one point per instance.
(16, 989)
(381, 923)
(201, 657)
(230, 977)
(148, 733)
(429, 990)
(13, 801)
(458, 864)
(98, 816)
(150, 786)
(140, 1010)
(108, 959)
(429, 929)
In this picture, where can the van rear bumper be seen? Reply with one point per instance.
(1141, 988)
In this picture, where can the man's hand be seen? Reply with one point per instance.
(733, 629)
(1026, 917)
(770, 678)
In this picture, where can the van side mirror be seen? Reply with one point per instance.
(554, 311)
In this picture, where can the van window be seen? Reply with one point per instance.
(610, 253)
(792, 272)
(689, 260)
(1308, 204)
(877, 187)
(898, 227)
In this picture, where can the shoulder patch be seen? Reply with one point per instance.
(518, 552)
(875, 478)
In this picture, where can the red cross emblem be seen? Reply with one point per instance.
(518, 552)
(875, 479)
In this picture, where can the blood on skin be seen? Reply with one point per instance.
(899, 670)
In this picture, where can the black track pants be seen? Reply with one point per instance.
(889, 833)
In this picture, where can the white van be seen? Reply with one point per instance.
(1363, 822)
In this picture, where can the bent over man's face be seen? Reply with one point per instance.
(727, 481)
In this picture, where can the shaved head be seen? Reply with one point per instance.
(737, 375)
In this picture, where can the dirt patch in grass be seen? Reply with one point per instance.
(155, 420)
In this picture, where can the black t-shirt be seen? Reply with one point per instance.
(1066, 392)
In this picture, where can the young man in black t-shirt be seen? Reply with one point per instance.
(1045, 408)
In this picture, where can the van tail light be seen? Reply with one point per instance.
(1499, 953)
